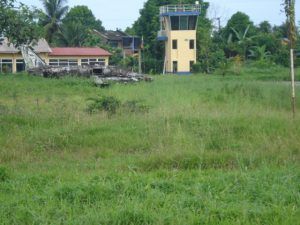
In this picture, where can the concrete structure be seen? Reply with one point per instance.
(11, 59)
(178, 31)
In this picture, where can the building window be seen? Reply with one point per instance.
(175, 66)
(63, 62)
(53, 62)
(73, 62)
(6, 65)
(192, 22)
(184, 22)
(92, 62)
(20, 65)
(174, 44)
(175, 22)
(191, 65)
(192, 44)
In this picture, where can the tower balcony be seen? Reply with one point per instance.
(162, 35)
(178, 10)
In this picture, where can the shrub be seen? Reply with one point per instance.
(224, 67)
(3, 174)
(237, 63)
(108, 104)
(197, 68)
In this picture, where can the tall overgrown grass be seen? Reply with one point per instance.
(181, 150)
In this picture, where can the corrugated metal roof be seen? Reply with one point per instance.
(79, 52)
(111, 35)
(6, 47)
(40, 47)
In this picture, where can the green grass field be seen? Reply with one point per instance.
(189, 150)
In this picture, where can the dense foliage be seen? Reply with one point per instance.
(239, 41)
(77, 26)
(69, 28)
(18, 22)
(51, 17)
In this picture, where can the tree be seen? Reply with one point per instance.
(71, 34)
(243, 40)
(51, 18)
(210, 54)
(18, 22)
(76, 28)
(84, 16)
(240, 22)
(238, 35)
(265, 27)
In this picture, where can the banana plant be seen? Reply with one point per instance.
(243, 40)
(259, 53)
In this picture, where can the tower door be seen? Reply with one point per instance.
(175, 66)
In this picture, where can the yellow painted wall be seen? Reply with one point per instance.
(183, 54)
(46, 58)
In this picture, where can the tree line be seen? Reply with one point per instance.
(238, 42)
(56, 22)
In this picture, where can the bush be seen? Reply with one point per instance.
(210, 60)
(224, 67)
(108, 104)
(197, 68)
(3, 174)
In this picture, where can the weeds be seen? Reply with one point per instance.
(108, 104)
(4, 175)
(111, 104)
(135, 106)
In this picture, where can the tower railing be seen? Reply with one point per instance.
(179, 8)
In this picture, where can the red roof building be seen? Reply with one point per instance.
(11, 59)
(79, 52)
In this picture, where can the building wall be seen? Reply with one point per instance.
(183, 54)
(46, 58)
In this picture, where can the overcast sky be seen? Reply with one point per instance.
(122, 13)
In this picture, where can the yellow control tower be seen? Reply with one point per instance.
(178, 31)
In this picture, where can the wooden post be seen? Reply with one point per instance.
(293, 83)
(289, 7)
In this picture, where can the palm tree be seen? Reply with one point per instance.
(54, 11)
(71, 34)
